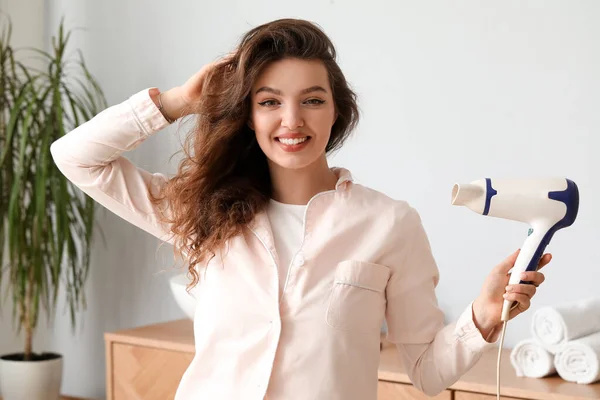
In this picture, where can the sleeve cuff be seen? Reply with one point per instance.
(468, 333)
(147, 113)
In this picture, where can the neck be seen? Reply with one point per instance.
(298, 186)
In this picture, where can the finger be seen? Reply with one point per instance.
(527, 290)
(535, 277)
(515, 310)
(507, 263)
(523, 301)
(545, 260)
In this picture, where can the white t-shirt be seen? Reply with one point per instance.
(287, 225)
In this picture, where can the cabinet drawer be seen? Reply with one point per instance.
(477, 396)
(400, 391)
(146, 373)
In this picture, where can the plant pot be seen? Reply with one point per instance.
(38, 379)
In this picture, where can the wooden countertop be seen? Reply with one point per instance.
(172, 335)
(179, 336)
(482, 379)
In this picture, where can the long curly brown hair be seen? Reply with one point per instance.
(224, 179)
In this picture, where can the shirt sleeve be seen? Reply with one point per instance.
(90, 156)
(435, 355)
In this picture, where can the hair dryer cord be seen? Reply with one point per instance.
(499, 358)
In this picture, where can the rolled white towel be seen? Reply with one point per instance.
(579, 360)
(554, 326)
(529, 358)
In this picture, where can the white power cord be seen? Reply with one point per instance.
(499, 358)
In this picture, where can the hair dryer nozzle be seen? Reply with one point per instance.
(465, 193)
(471, 195)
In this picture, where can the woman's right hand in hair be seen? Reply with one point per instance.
(178, 100)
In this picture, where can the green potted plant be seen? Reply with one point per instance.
(46, 223)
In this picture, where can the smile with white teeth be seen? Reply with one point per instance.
(292, 142)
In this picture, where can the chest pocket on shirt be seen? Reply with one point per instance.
(357, 300)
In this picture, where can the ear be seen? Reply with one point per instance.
(335, 118)
(250, 124)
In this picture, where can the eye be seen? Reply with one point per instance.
(268, 103)
(315, 102)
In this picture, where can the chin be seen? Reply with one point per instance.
(292, 162)
(292, 165)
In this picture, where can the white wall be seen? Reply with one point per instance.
(28, 18)
(450, 92)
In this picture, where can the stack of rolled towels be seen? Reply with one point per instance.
(565, 340)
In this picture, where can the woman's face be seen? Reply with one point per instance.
(292, 112)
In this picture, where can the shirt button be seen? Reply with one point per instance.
(299, 260)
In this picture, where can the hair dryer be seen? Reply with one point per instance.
(547, 205)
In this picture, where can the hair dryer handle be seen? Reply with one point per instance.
(527, 260)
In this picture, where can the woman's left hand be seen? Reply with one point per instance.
(487, 308)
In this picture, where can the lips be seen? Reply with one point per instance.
(292, 135)
(292, 140)
(292, 147)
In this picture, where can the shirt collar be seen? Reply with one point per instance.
(260, 223)
(343, 175)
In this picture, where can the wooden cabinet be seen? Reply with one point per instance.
(147, 373)
(400, 391)
(478, 396)
(147, 363)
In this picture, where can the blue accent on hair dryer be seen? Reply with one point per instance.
(489, 193)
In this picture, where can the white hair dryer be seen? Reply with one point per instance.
(547, 205)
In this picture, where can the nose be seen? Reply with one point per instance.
(292, 117)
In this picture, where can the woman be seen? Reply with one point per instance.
(295, 266)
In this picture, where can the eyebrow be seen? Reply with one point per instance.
(278, 92)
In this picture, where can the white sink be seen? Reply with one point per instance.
(185, 300)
